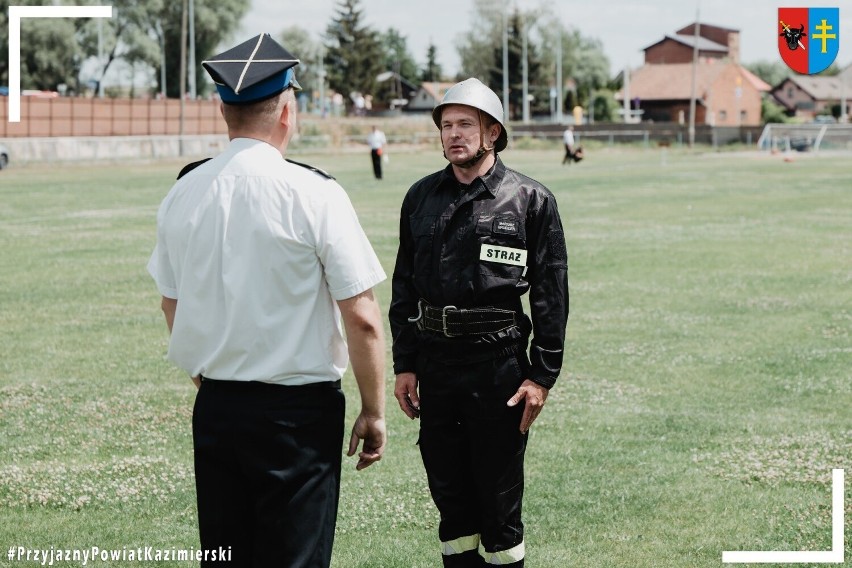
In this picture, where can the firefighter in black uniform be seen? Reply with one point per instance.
(474, 238)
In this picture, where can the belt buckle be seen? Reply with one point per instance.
(444, 320)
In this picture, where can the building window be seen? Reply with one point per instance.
(789, 92)
(723, 115)
(743, 115)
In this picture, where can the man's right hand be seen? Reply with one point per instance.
(406, 394)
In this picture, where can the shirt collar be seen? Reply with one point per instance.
(491, 180)
(239, 144)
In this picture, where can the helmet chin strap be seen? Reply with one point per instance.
(483, 149)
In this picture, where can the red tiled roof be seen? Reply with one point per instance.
(756, 81)
(672, 81)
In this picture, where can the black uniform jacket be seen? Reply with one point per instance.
(447, 232)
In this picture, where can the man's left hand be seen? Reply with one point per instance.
(372, 430)
(533, 396)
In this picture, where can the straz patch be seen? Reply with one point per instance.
(503, 255)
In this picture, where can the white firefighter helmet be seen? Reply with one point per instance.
(473, 93)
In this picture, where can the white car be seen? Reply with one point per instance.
(4, 156)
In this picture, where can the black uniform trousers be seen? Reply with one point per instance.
(473, 453)
(377, 163)
(267, 471)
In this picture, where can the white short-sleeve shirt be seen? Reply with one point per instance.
(256, 250)
(376, 139)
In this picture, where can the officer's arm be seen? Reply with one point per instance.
(169, 306)
(403, 300)
(548, 277)
(362, 320)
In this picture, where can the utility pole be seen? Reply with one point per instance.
(559, 98)
(182, 78)
(162, 35)
(526, 93)
(192, 91)
(321, 76)
(694, 76)
(101, 58)
(505, 64)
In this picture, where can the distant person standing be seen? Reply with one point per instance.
(377, 141)
(568, 141)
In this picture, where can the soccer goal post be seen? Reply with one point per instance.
(777, 137)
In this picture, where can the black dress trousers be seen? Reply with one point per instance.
(267, 469)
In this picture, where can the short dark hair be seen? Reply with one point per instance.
(256, 114)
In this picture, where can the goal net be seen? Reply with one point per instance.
(805, 137)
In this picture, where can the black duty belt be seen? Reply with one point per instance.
(457, 322)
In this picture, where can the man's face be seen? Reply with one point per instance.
(460, 133)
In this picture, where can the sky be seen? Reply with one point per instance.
(624, 26)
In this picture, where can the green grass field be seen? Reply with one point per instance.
(705, 398)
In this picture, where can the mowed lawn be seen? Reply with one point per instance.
(706, 393)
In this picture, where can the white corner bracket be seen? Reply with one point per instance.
(15, 15)
(833, 556)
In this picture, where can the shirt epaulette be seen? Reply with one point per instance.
(189, 167)
(314, 169)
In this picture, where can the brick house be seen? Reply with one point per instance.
(714, 42)
(428, 95)
(727, 94)
(806, 96)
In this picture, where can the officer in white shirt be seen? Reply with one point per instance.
(259, 261)
(377, 141)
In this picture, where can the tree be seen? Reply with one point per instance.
(583, 59)
(299, 42)
(432, 70)
(771, 112)
(57, 58)
(398, 64)
(515, 67)
(604, 105)
(397, 56)
(773, 72)
(50, 54)
(215, 22)
(476, 52)
(353, 56)
(127, 36)
(133, 35)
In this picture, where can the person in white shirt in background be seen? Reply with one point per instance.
(377, 141)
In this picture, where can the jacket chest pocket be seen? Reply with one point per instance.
(423, 235)
(501, 252)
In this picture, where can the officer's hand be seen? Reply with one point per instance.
(406, 394)
(535, 395)
(374, 434)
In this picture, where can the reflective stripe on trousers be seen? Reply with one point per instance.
(471, 542)
(459, 545)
